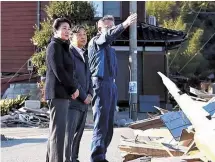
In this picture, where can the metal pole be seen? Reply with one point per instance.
(38, 14)
(133, 63)
(167, 74)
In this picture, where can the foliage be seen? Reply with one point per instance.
(180, 15)
(194, 43)
(38, 60)
(41, 87)
(42, 36)
(91, 31)
(78, 12)
(75, 11)
(160, 9)
(8, 104)
(177, 24)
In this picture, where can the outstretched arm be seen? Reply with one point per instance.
(111, 34)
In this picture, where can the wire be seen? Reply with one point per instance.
(188, 35)
(196, 53)
(192, 10)
(17, 72)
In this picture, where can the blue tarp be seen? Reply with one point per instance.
(177, 121)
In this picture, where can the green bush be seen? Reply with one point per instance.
(75, 11)
(8, 104)
(42, 36)
(78, 12)
(38, 60)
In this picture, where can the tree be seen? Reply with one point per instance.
(206, 22)
(75, 11)
(78, 12)
(180, 16)
(177, 24)
(160, 9)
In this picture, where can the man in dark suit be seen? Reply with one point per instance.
(78, 108)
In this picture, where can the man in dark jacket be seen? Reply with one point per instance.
(103, 67)
(60, 86)
(78, 108)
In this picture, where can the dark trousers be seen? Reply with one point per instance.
(57, 127)
(104, 104)
(75, 127)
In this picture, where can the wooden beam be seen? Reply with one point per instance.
(163, 111)
(156, 132)
(156, 122)
(129, 156)
(150, 149)
(186, 138)
(177, 159)
(141, 159)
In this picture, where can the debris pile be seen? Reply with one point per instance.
(176, 136)
(26, 117)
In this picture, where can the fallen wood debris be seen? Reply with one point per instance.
(178, 136)
(163, 111)
(26, 117)
(201, 94)
(154, 149)
(169, 159)
(156, 122)
(178, 159)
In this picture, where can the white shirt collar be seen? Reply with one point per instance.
(80, 51)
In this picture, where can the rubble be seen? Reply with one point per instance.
(201, 94)
(176, 136)
(26, 117)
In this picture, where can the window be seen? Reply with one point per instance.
(98, 5)
(107, 8)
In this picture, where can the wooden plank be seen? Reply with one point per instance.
(196, 157)
(177, 159)
(141, 159)
(163, 111)
(153, 133)
(186, 135)
(147, 124)
(187, 138)
(150, 149)
(192, 145)
(129, 156)
(151, 116)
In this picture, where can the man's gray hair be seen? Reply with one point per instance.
(108, 17)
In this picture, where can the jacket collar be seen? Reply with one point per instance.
(75, 52)
(65, 44)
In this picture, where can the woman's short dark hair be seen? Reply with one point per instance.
(76, 29)
(59, 21)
